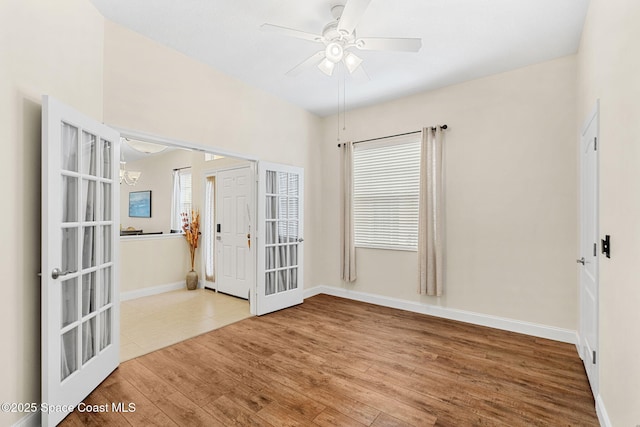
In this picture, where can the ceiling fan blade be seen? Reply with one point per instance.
(306, 64)
(399, 44)
(351, 15)
(291, 32)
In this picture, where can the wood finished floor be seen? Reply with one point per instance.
(335, 362)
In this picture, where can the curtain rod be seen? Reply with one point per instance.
(443, 127)
(179, 169)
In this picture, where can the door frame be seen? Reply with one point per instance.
(594, 115)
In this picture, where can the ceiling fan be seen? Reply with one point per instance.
(339, 36)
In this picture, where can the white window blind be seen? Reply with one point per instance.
(386, 194)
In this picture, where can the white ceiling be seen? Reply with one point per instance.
(461, 40)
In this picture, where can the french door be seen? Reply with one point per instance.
(589, 146)
(280, 237)
(80, 217)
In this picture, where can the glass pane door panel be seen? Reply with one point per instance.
(272, 184)
(89, 153)
(105, 329)
(271, 208)
(282, 257)
(69, 249)
(293, 255)
(293, 184)
(270, 261)
(270, 233)
(270, 283)
(282, 232)
(69, 199)
(282, 280)
(88, 293)
(282, 207)
(89, 200)
(106, 244)
(88, 247)
(88, 340)
(292, 228)
(107, 158)
(106, 202)
(293, 278)
(68, 353)
(292, 212)
(105, 296)
(69, 302)
(282, 183)
(69, 148)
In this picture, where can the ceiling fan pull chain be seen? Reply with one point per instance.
(344, 101)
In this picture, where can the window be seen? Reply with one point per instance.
(386, 193)
(182, 200)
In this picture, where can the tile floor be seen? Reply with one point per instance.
(151, 323)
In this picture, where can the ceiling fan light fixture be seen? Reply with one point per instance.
(327, 66)
(334, 52)
(144, 146)
(352, 61)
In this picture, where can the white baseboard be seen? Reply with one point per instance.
(153, 290)
(603, 417)
(528, 328)
(31, 420)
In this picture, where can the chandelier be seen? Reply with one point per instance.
(128, 177)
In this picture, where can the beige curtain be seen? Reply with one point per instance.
(430, 226)
(348, 250)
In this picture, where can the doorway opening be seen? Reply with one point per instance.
(156, 309)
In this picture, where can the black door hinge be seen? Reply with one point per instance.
(594, 249)
(594, 357)
(595, 143)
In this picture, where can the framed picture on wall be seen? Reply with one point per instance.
(140, 204)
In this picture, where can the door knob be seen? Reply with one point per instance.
(300, 240)
(581, 260)
(55, 273)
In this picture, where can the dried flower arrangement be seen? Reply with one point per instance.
(191, 228)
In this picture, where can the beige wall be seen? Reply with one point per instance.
(173, 96)
(157, 176)
(609, 70)
(511, 195)
(53, 48)
(139, 266)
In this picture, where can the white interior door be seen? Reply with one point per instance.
(589, 146)
(280, 231)
(235, 263)
(80, 217)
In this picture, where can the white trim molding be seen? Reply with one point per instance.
(603, 417)
(512, 325)
(154, 290)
